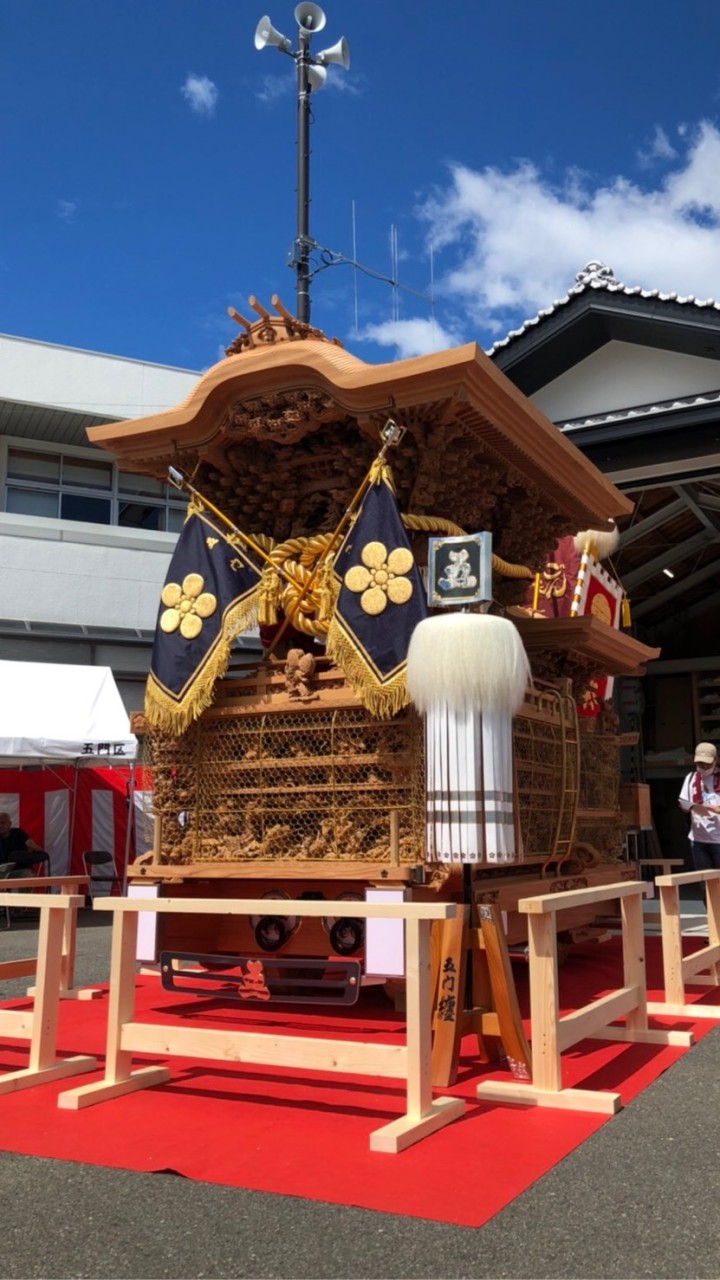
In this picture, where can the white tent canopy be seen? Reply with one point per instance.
(56, 712)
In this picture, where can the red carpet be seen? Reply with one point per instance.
(295, 1134)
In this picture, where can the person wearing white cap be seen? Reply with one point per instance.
(700, 797)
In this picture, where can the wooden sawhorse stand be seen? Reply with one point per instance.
(25, 968)
(410, 1061)
(551, 1034)
(475, 956)
(39, 1025)
(666, 868)
(679, 969)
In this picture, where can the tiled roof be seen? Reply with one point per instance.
(641, 411)
(596, 275)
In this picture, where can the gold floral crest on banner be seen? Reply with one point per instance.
(186, 606)
(381, 577)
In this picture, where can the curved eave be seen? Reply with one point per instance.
(488, 404)
(614, 651)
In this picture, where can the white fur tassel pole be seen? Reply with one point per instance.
(467, 673)
(600, 543)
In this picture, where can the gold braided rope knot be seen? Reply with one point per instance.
(298, 558)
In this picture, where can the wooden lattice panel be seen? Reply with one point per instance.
(261, 778)
(300, 784)
(545, 751)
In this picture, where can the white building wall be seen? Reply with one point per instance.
(41, 373)
(622, 375)
(68, 572)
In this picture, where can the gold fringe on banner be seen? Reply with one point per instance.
(380, 699)
(269, 597)
(174, 715)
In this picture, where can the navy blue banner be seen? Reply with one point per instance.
(208, 599)
(380, 602)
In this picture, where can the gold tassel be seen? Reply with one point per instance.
(268, 597)
(381, 700)
(380, 471)
(625, 610)
(536, 593)
(329, 591)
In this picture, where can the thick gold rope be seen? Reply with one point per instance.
(296, 559)
(434, 524)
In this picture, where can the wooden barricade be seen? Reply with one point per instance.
(678, 969)
(552, 1034)
(665, 865)
(410, 1061)
(25, 968)
(473, 959)
(39, 1025)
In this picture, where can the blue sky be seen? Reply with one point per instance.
(148, 163)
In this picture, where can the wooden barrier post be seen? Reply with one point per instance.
(666, 865)
(67, 885)
(423, 1114)
(678, 969)
(475, 957)
(39, 1025)
(551, 1034)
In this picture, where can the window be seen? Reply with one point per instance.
(24, 464)
(78, 506)
(31, 502)
(76, 487)
(82, 473)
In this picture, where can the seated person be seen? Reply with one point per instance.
(18, 852)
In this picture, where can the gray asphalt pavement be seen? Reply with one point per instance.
(638, 1199)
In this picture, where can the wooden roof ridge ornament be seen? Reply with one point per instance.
(282, 327)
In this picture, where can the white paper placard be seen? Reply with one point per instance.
(147, 923)
(385, 939)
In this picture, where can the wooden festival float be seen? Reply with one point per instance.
(285, 781)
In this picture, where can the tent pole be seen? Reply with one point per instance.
(73, 815)
(130, 825)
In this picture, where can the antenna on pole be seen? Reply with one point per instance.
(354, 254)
(394, 272)
(432, 287)
(311, 74)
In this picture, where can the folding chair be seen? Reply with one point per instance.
(99, 867)
(40, 867)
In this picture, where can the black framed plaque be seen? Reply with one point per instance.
(460, 570)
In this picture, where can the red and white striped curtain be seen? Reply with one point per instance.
(67, 811)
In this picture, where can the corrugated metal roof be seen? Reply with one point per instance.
(37, 422)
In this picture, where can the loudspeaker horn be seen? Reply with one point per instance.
(310, 17)
(266, 34)
(316, 76)
(339, 53)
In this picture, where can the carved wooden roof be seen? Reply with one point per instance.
(282, 431)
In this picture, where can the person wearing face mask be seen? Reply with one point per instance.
(700, 797)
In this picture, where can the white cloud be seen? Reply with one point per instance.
(273, 87)
(509, 242)
(276, 85)
(659, 148)
(201, 93)
(416, 337)
(67, 209)
(341, 81)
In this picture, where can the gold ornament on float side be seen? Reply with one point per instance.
(380, 577)
(186, 606)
